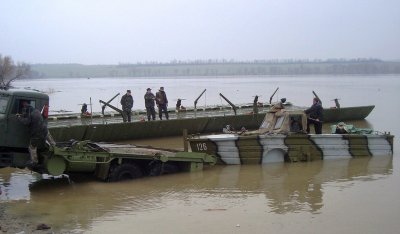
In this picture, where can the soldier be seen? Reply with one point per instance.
(162, 103)
(315, 116)
(37, 130)
(127, 104)
(84, 109)
(149, 103)
(255, 105)
(26, 109)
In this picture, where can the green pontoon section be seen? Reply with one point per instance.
(347, 113)
(174, 127)
(165, 128)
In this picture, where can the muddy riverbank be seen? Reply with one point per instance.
(11, 223)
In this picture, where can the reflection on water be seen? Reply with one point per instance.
(300, 186)
(284, 188)
(14, 184)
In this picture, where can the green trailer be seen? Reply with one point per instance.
(115, 162)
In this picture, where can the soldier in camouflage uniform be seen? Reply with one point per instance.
(162, 103)
(37, 129)
(149, 103)
(315, 116)
(127, 104)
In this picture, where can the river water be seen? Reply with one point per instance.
(68, 94)
(334, 196)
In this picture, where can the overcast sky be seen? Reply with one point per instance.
(130, 31)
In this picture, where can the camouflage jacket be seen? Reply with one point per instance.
(315, 111)
(161, 98)
(36, 123)
(127, 102)
(149, 99)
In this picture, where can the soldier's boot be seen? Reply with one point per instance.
(33, 154)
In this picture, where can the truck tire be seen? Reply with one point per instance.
(125, 171)
(157, 169)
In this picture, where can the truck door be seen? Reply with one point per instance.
(4, 99)
(17, 134)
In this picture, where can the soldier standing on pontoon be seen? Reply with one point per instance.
(127, 104)
(162, 103)
(149, 103)
(315, 116)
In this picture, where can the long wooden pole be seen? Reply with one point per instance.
(230, 103)
(197, 99)
(270, 99)
(104, 106)
(317, 97)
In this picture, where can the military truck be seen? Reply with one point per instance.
(109, 162)
(14, 136)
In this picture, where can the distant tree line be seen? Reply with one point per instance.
(221, 68)
(255, 61)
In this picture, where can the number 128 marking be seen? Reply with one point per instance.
(201, 146)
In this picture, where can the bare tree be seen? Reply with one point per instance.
(10, 71)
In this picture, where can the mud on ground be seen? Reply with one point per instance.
(12, 224)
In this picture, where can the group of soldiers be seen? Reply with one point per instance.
(314, 113)
(160, 99)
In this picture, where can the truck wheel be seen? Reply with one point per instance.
(163, 169)
(126, 171)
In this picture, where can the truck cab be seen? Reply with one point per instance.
(14, 136)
